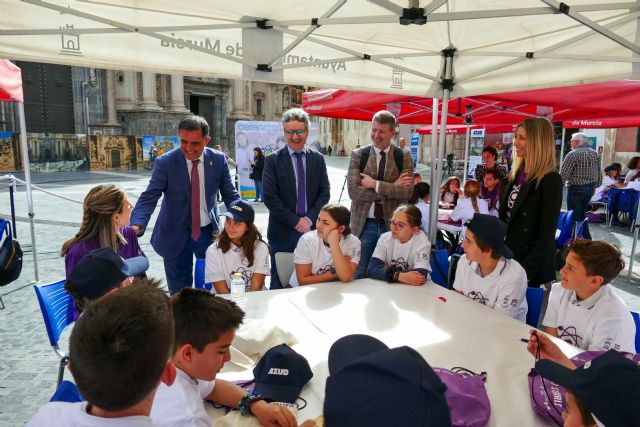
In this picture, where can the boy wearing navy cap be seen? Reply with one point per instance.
(487, 272)
(205, 326)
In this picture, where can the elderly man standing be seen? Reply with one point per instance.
(296, 186)
(379, 179)
(581, 171)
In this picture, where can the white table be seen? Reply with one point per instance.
(446, 214)
(455, 332)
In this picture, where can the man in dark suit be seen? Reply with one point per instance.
(293, 208)
(189, 177)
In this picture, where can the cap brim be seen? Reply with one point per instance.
(352, 347)
(278, 393)
(555, 372)
(136, 266)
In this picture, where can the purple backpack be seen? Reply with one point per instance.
(466, 397)
(547, 397)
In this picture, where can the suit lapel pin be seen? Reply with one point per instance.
(210, 163)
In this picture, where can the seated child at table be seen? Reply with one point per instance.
(610, 179)
(402, 254)
(205, 328)
(239, 248)
(491, 191)
(119, 353)
(582, 309)
(100, 272)
(421, 191)
(450, 190)
(470, 204)
(487, 272)
(606, 389)
(328, 253)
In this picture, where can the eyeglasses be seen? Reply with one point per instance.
(296, 132)
(398, 225)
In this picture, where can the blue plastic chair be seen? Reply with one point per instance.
(636, 319)
(66, 392)
(198, 275)
(58, 312)
(534, 301)
(623, 201)
(565, 225)
(439, 266)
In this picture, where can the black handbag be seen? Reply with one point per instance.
(10, 255)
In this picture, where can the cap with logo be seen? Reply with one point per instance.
(281, 373)
(492, 231)
(102, 270)
(609, 385)
(371, 384)
(240, 211)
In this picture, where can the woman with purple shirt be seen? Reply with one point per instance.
(105, 224)
(531, 201)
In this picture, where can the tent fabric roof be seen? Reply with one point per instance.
(462, 129)
(608, 123)
(498, 45)
(10, 82)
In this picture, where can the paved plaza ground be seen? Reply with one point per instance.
(28, 365)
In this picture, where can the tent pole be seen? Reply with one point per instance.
(562, 147)
(435, 162)
(27, 178)
(466, 156)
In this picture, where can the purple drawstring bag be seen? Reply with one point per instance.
(547, 397)
(466, 397)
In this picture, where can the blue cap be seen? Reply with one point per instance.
(240, 211)
(385, 387)
(281, 373)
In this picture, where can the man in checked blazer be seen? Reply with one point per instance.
(376, 193)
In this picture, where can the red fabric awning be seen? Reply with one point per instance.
(10, 82)
(462, 129)
(614, 122)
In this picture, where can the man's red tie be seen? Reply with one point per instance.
(195, 200)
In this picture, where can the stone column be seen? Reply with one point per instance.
(149, 101)
(177, 94)
(126, 93)
(111, 99)
(239, 97)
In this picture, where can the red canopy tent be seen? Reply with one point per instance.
(462, 129)
(11, 91)
(608, 123)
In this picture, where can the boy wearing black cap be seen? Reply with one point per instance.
(205, 327)
(101, 272)
(487, 272)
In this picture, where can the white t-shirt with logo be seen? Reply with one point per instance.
(220, 266)
(55, 414)
(600, 322)
(412, 254)
(311, 250)
(504, 290)
(181, 404)
(607, 182)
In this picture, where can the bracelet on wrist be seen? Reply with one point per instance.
(391, 274)
(247, 400)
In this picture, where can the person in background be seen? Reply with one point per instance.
(417, 178)
(491, 191)
(633, 167)
(531, 201)
(258, 166)
(402, 143)
(238, 248)
(450, 190)
(470, 204)
(402, 254)
(489, 159)
(609, 179)
(230, 161)
(421, 200)
(105, 224)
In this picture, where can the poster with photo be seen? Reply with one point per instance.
(155, 146)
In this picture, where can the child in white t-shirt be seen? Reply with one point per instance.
(120, 349)
(402, 254)
(582, 309)
(329, 253)
(470, 204)
(239, 248)
(487, 272)
(205, 328)
(610, 179)
(421, 194)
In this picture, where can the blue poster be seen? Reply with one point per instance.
(415, 143)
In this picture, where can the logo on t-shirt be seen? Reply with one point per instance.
(400, 264)
(326, 269)
(569, 334)
(246, 274)
(477, 296)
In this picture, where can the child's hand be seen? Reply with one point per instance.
(412, 278)
(333, 238)
(273, 415)
(309, 423)
(548, 350)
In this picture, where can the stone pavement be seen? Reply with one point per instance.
(28, 365)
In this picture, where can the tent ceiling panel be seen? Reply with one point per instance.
(359, 45)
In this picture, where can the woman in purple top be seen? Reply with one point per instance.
(105, 224)
(531, 201)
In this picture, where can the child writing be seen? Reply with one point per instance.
(450, 190)
(239, 248)
(610, 179)
(330, 252)
(470, 204)
(402, 254)
(487, 272)
(205, 328)
(582, 309)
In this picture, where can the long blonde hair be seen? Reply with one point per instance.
(472, 191)
(541, 150)
(100, 204)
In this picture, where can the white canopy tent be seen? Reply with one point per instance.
(440, 49)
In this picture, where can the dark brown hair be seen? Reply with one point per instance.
(598, 258)
(247, 241)
(484, 247)
(201, 318)
(472, 191)
(447, 188)
(340, 215)
(491, 150)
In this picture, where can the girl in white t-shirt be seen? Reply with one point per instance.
(470, 204)
(239, 248)
(330, 252)
(610, 179)
(450, 190)
(402, 254)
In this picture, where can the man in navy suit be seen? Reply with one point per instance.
(189, 177)
(293, 209)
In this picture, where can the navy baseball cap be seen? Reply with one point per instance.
(492, 231)
(384, 387)
(240, 211)
(281, 373)
(102, 270)
(609, 385)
